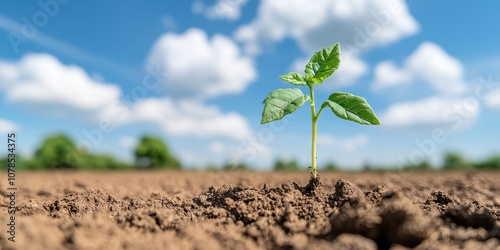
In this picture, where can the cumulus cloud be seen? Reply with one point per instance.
(429, 63)
(45, 85)
(251, 152)
(357, 24)
(450, 112)
(189, 118)
(7, 126)
(201, 67)
(41, 79)
(492, 100)
(315, 24)
(222, 9)
(387, 75)
(345, 144)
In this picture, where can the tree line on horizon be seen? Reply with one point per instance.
(60, 152)
(451, 161)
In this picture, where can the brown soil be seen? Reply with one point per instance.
(246, 210)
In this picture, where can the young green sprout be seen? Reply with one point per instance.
(282, 102)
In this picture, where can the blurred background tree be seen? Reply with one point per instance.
(424, 165)
(493, 163)
(330, 166)
(99, 161)
(455, 161)
(234, 165)
(57, 151)
(284, 165)
(153, 152)
(22, 163)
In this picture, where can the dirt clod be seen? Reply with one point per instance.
(346, 192)
(439, 201)
(78, 204)
(467, 216)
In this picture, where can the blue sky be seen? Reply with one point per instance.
(195, 73)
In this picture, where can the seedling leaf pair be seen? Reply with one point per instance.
(347, 106)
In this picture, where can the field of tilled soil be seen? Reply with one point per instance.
(247, 210)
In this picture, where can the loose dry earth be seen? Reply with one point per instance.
(246, 210)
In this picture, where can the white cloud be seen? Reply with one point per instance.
(315, 24)
(189, 118)
(429, 63)
(493, 99)
(253, 153)
(45, 85)
(222, 9)
(190, 158)
(433, 111)
(41, 79)
(217, 147)
(386, 75)
(345, 144)
(127, 142)
(198, 66)
(349, 70)
(7, 126)
(357, 24)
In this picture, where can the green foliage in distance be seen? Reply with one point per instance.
(330, 166)
(57, 151)
(491, 163)
(283, 165)
(455, 161)
(234, 166)
(152, 152)
(102, 162)
(425, 165)
(323, 63)
(22, 163)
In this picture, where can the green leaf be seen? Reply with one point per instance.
(352, 108)
(324, 63)
(294, 78)
(282, 102)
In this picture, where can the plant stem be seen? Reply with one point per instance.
(314, 119)
(314, 172)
